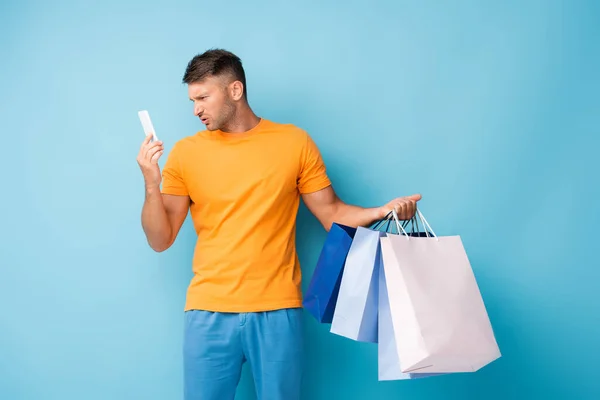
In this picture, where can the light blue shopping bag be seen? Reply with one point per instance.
(355, 314)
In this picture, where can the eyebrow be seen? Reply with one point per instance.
(198, 96)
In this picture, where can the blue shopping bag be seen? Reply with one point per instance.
(321, 295)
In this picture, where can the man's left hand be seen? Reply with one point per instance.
(405, 206)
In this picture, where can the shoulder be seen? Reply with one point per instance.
(187, 142)
(182, 147)
(289, 132)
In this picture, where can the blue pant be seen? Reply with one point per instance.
(216, 345)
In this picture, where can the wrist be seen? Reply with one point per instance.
(382, 212)
(377, 213)
(152, 189)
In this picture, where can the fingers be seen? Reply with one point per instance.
(146, 142)
(414, 197)
(150, 152)
(398, 208)
(406, 207)
(156, 156)
(151, 148)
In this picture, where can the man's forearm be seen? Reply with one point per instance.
(329, 209)
(355, 216)
(155, 220)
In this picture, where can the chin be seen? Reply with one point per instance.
(211, 126)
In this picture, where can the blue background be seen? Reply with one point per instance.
(489, 109)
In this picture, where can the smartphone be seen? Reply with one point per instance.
(147, 124)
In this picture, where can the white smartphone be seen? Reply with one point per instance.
(147, 124)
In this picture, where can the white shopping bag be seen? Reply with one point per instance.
(355, 314)
(439, 319)
(388, 360)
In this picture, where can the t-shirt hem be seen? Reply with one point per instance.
(215, 307)
(174, 192)
(316, 187)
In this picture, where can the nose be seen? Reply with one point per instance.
(198, 110)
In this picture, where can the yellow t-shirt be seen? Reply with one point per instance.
(245, 190)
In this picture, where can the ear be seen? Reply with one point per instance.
(237, 90)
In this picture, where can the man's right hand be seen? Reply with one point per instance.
(147, 159)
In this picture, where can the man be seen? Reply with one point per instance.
(242, 178)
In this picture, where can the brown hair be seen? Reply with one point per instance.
(215, 62)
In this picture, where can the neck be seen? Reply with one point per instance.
(243, 120)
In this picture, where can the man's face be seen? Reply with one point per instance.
(213, 103)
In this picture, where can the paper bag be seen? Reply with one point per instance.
(440, 321)
(321, 295)
(355, 314)
(387, 351)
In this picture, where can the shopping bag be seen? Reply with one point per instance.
(355, 314)
(387, 353)
(322, 292)
(439, 318)
(388, 361)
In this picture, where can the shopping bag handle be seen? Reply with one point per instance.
(388, 218)
(397, 221)
(418, 213)
(415, 221)
(401, 227)
(426, 225)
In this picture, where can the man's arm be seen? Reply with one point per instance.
(162, 218)
(328, 208)
(162, 214)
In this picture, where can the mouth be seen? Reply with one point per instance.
(204, 120)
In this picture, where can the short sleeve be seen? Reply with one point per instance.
(172, 173)
(313, 174)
